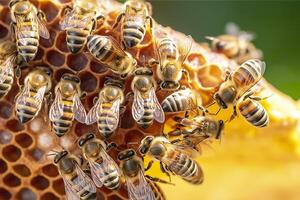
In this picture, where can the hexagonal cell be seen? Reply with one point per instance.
(81, 129)
(4, 194)
(133, 138)
(59, 186)
(61, 43)
(26, 194)
(36, 154)
(24, 140)
(100, 196)
(49, 196)
(5, 137)
(97, 67)
(5, 110)
(55, 58)
(39, 55)
(127, 122)
(11, 153)
(50, 170)
(3, 31)
(48, 43)
(5, 16)
(3, 166)
(114, 197)
(39, 182)
(77, 62)
(22, 170)
(50, 10)
(11, 180)
(15, 125)
(88, 81)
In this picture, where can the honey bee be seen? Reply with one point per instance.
(77, 184)
(104, 169)
(107, 51)
(146, 106)
(106, 109)
(133, 170)
(31, 97)
(158, 193)
(67, 104)
(174, 158)
(136, 18)
(28, 24)
(80, 21)
(236, 44)
(8, 57)
(182, 100)
(171, 57)
(237, 89)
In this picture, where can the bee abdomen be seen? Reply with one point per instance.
(27, 43)
(62, 125)
(254, 113)
(111, 180)
(168, 47)
(76, 39)
(27, 110)
(6, 85)
(147, 118)
(133, 34)
(100, 48)
(177, 102)
(105, 121)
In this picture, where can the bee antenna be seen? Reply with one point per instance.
(211, 104)
(210, 38)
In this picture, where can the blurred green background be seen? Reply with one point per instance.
(276, 24)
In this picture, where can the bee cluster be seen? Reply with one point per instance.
(146, 88)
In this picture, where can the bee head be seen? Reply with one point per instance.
(143, 71)
(46, 70)
(59, 156)
(226, 95)
(126, 154)
(20, 7)
(114, 82)
(169, 85)
(84, 139)
(145, 144)
(71, 77)
(220, 130)
(219, 101)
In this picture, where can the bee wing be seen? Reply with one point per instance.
(183, 148)
(78, 109)
(115, 109)
(84, 181)
(117, 48)
(43, 31)
(138, 188)
(70, 193)
(6, 68)
(72, 20)
(137, 105)
(56, 109)
(93, 114)
(158, 114)
(233, 29)
(96, 172)
(185, 48)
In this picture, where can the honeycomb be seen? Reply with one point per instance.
(26, 172)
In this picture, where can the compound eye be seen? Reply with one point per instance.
(90, 136)
(81, 142)
(76, 79)
(121, 156)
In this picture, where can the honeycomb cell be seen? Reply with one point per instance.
(114, 197)
(36, 154)
(4, 194)
(5, 16)
(39, 55)
(11, 180)
(3, 31)
(5, 137)
(100, 196)
(49, 196)
(24, 140)
(61, 43)
(11, 153)
(39, 182)
(88, 82)
(50, 170)
(3, 166)
(50, 10)
(22, 170)
(15, 125)
(196, 60)
(81, 129)
(133, 138)
(26, 194)
(58, 186)
(5, 110)
(77, 62)
(97, 67)
(127, 122)
(55, 58)
(10, 97)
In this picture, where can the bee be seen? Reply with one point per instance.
(108, 52)
(146, 106)
(133, 170)
(104, 169)
(236, 44)
(106, 109)
(171, 57)
(182, 100)
(158, 193)
(8, 57)
(80, 21)
(77, 184)
(173, 158)
(136, 18)
(67, 104)
(28, 24)
(237, 89)
(31, 97)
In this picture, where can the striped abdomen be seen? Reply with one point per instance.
(26, 110)
(76, 38)
(168, 49)
(182, 100)
(254, 113)
(185, 167)
(248, 73)
(106, 120)
(7, 84)
(27, 40)
(147, 118)
(101, 48)
(63, 124)
(82, 192)
(133, 33)
(158, 193)
(111, 179)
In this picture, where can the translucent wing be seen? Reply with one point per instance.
(43, 31)
(117, 49)
(93, 114)
(138, 188)
(56, 109)
(158, 114)
(185, 48)
(182, 148)
(84, 181)
(73, 20)
(6, 68)
(137, 106)
(232, 28)
(78, 109)
(70, 194)
(115, 109)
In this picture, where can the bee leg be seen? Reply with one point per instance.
(175, 141)
(186, 73)
(176, 132)
(83, 95)
(118, 20)
(256, 98)
(149, 165)
(227, 75)
(13, 26)
(111, 146)
(66, 10)
(18, 73)
(164, 170)
(41, 15)
(155, 179)
(234, 114)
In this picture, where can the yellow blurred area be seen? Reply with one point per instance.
(249, 163)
